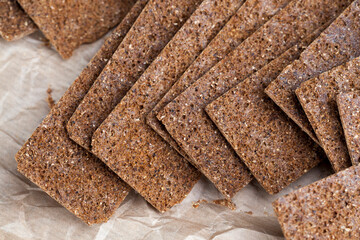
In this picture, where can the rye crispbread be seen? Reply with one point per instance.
(336, 45)
(250, 17)
(327, 209)
(317, 96)
(129, 146)
(154, 28)
(185, 117)
(68, 173)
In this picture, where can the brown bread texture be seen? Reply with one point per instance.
(327, 209)
(318, 99)
(68, 173)
(185, 117)
(14, 22)
(129, 146)
(68, 24)
(154, 28)
(349, 110)
(337, 45)
(273, 147)
(251, 16)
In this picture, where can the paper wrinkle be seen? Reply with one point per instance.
(27, 68)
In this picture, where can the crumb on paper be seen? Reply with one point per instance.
(226, 203)
(249, 212)
(50, 99)
(221, 202)
(198, 203)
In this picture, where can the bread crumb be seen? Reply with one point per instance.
(50, 99)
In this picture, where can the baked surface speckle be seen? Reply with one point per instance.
(274, 148)
(68, 173)
(349, 110)
(68, 24)
(317, 96)
(327, 209)
(14, 22)
(185, 117)
(250, 17)
(336, 45)
(128, 145)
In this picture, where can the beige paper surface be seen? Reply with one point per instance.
(27, 68)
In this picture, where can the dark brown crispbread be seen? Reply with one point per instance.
(274, 148)
(185, 117)
(14, 22)
(68, 24)
(337, 45)
(327, 209)
(129, 146)
(251, 16)
(154, 28)
(64, 170)
(318, 99)
(349, 110)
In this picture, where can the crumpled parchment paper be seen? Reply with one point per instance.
(27, 68)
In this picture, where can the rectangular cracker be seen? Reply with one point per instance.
(68, 173)
(326, 209)
(251, 16)
(129, 146)
(68, 24)
(337, 45)
(154, 28)
(185, 117)
(14, 22)
(274, 148)
(348, 106)
(318, 99)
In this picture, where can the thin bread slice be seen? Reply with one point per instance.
(154, 28)
(185, 117)
(273, 147)
(349, 110)
(14, 22)
(337, 45)
(318, 99)
(251, 16)
(326, 209)
(68, 24)
(129, 146)
(68, 173)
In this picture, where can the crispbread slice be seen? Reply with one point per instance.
(274, 148)
(327, 209)
(154, 28)
(14, 22)
(68, 24)
(185, 117)
(337, 45)
(349, 110)
(68, 173)
(130, 147)
(318, 99)
(251, 16)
